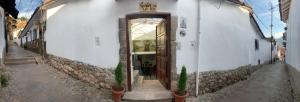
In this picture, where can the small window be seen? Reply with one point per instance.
(256, 44)
(34, 34)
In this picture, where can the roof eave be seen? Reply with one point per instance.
(284, 6)
(257, 26)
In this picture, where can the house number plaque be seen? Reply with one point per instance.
(147, 6)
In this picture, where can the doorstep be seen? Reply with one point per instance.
(150, 91)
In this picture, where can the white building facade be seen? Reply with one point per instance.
(291, 17)
(8, 13)
(219, 34)
(30, 38)
(223, 32)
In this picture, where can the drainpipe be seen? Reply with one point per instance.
(198, 40)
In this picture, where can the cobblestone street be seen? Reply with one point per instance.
(269, 84)
(42, 83)
(149, 51)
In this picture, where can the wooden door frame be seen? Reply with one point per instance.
(167, 17)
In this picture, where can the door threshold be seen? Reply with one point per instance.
(151, 90)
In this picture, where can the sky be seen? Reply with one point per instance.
(27, 7)
(261, 9)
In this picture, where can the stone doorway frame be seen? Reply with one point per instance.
(125, 54)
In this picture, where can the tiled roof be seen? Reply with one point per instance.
(284, 6)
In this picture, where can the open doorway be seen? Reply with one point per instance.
(148, 51)
(143, 44)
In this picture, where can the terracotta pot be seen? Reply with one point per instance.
(117, 93)
(179, 98)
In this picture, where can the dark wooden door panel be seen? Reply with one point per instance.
(161, 55)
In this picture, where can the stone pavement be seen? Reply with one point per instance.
(269, 84)
(17, 52)
(42, 83)
(294, 75)
(18, 56)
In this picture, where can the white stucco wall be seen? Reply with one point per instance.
(23, 40)
(264, 51)
(31, 34)
(18, 41)
(2, 32)
(293, 35)
(226, 40)
(72, 30)
(187, 51)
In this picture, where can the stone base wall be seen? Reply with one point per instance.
(2, 57)
(191, 84)
(34, 46)
(212, 81)
(1, 62)
(294, 75)
(95, 76)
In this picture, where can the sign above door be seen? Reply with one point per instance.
(146, 6)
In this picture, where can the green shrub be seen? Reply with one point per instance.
(119, 75)
(182, 81)
(3, 80)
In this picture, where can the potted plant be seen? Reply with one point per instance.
(118, 89)
(180, 94)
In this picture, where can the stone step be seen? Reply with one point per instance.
(140, 80)
(20, 61)
(157, 96)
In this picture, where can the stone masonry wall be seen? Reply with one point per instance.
(1, 62)
(2, 55)
(294, 75)
(212, 81)
(34, 46)
(95, 76)
(191, 84)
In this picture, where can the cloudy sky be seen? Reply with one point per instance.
(262, 10)
(27, 7)
(260, 7)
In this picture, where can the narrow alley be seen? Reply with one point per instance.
(43, 83)
(149, 51)
(269, 84)
(31, 82)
